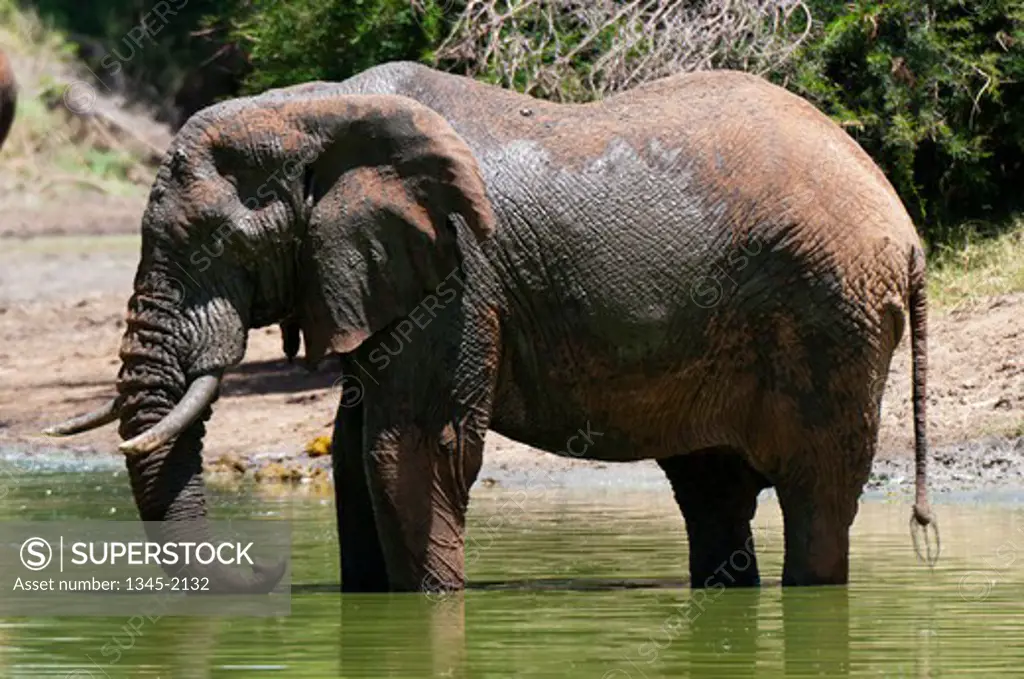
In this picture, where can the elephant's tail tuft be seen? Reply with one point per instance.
(922, 516)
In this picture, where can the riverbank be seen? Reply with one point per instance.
(991, 469)
(62, 301)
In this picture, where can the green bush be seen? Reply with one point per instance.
(145, 49)
(302, 40)
(933, 91)
(181, 55)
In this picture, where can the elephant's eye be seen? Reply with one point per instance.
(377, 254)
(309, 187)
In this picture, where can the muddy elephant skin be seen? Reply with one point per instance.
(8, 97)
(704, 271)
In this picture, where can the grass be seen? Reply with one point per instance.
(976, 266)
(25, 33)
(50, 150)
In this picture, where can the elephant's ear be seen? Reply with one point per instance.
(385, 175)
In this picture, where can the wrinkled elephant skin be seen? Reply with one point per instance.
(704, 271)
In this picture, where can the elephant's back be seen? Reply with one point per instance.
(694, 173)
(714, 135)
(735, 131)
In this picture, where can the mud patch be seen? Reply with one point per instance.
(988, 464)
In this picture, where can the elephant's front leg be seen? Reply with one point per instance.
(419, 481)
(425, 415)
(362, 562)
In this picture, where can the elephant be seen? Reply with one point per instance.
(8, 96)
(704, 271)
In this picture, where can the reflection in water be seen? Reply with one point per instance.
(816, 628)
(426, 637)
(176, 647)
(723, 638)
(577, 585)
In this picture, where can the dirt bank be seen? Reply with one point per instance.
(62, 300)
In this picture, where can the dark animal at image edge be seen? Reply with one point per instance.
(704, 270)
(8, 97)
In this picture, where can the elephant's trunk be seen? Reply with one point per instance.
(167, 481)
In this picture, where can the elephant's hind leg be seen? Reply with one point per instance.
(362, 561)
(717, 489)
(818, 492)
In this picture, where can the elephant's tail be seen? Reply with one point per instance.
(922, 516)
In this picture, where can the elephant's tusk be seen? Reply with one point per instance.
(76, 425)
(200, 394)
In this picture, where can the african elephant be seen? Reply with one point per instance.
(8, 96)
(704, 271)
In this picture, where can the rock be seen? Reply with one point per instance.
(275, 472)
(302, 398)
(319, 446)
(234, 462)
(227, 463)
(320, 481)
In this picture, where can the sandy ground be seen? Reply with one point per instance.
(65, 276)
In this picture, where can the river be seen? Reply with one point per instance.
(565, 582)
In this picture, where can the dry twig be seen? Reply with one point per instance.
(575, 50)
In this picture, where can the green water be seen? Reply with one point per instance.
(573, 584)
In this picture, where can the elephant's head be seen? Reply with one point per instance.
(326, 211)
(8, 96)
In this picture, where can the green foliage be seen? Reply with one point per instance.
(976, 263)
(148, 46)
(115, 165)
(932, 90)
(305, 40)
